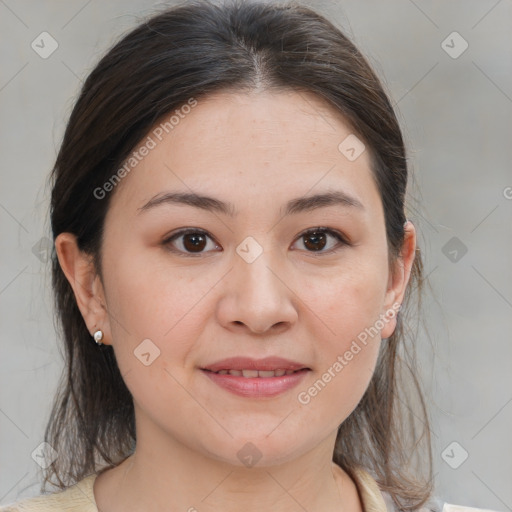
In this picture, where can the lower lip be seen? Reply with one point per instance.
(257, 386)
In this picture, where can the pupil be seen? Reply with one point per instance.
(315, 237)
(196, 244)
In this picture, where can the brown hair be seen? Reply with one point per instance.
(191, 50)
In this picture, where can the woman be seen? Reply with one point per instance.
(232, 262)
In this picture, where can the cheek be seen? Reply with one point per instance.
(337, 389)
(162, 396)
(347, 350)
(153, 300)
(155, 316)
(350, 301)
(351, 352)
(347, 309)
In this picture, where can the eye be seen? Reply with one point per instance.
(191, 241)
(316, 240)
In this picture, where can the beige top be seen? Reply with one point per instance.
(80, 498)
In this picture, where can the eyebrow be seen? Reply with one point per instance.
(294, 206)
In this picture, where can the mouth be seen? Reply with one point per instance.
(256, 378)
(252, 374)
(248, 367)
(256, 384)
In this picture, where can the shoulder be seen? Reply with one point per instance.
(77, 498)
(376, 500)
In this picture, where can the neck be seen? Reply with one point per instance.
(179, 478)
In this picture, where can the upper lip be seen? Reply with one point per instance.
(247, 363)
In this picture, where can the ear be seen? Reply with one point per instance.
(398, 280)
(86, 283)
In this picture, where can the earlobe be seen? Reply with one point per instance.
(399, 279)
(81, 275)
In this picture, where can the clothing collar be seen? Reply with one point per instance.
(369, 493)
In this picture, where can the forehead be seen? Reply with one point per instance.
(233, 144)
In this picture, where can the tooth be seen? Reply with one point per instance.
(256, 373)
(250, 373)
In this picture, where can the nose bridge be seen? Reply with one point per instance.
(259, 296)
(255, 265)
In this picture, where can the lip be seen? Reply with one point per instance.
(247, 363)
(256, 387)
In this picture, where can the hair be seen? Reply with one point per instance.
(192, 50)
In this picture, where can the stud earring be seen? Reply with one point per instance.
(98, 336)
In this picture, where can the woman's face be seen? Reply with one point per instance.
(246, 281)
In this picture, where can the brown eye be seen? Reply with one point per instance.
(194, 242)
(315, 240)
(190, 241)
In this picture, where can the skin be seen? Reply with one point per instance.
(257, 150)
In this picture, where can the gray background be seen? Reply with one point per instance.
(457, 116)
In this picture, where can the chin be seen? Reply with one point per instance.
(259, 450)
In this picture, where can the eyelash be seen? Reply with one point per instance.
(341, 239)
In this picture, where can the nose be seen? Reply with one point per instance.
(258, 297)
